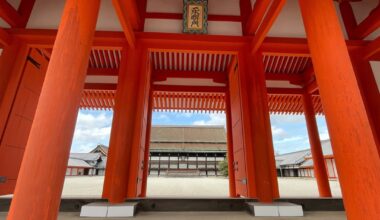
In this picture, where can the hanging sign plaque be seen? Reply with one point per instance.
(195, 16)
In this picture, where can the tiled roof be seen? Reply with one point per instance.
(86, 156)
(78, 163)
(300, 157)
(188, 138)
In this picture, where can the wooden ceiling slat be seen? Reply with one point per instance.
(198, 102)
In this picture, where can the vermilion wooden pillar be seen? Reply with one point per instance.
(363, 70)
(116, 176)
(40, 181)
(320, 171)
(353, 141)
(230, 149)
(147, 146)
(265, 166)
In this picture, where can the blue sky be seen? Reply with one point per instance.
(289, 132)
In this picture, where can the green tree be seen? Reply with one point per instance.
(223, 167)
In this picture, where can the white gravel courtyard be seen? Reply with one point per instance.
(193, 187)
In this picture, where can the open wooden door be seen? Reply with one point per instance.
(20, 119)
(237, 131)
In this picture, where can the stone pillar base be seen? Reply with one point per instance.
(105, 209)
(275, 209)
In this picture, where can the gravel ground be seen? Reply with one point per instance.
(193, 187)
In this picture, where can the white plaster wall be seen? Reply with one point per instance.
(47, 14)
(289, 22)
(163, 25)
(102, 79)
(225, 28)
(4, 24)
(376, 71)
(361, 10)
(164, 6)
(280, 84)
(224, 7)
(14, 3)
(220, 7)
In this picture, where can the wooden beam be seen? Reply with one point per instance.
(123, 9)
(103, 72)
(162, 75)
(179, 16)
(267, 23)
(348, 17)
(372, 49)
(257, 15)
(10, 15)
(312, 87)
(25, 10)
(184, 42)
(245, 12)
(368, 25)
(5, 38)
(171, 88)
(276, 46)
(141, 5)
(44, 38)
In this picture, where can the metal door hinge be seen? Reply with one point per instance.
(3, 179)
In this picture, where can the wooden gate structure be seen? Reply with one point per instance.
(46, 75)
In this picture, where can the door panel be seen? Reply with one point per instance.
(237, 133)
(20, 120)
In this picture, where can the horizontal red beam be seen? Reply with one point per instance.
(44, 38)
(162, 75)
(188, 42)
(284, 77)
(179, 16)
(180, 42)
(170, 88)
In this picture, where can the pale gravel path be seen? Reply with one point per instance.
(193, 187)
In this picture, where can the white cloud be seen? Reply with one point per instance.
(289, 139)
(278, 132)
(280, 119)
(324, 134)
(91, 129)
(214, 119)
(162, 116)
